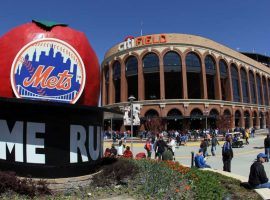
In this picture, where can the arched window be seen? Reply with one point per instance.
(131, 66)
(213, 113)
(244, 85)
(235, 83)
(193, 63)
(194, 76)
(174, 113)
(150, 63)
(224, 82)
(210, 68)
(210, 65)
(252, 87)
(117, 80)
(196, 113)
(265, 92)
(132, 76)
(172, 75)
(258, 80)
(151, 76)
(151, 113)
(172, 62)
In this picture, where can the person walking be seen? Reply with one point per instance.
(214, 143)
(247, 136)
(257, 176)
(227, 154)
(203, 146)
(267, 147)
(160, 147)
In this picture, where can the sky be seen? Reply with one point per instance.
(242, 25)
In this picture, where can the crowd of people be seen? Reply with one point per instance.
(162, 147)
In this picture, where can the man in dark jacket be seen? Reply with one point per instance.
(257, 176)
(267, 146)
(160, 147)
(227, 154)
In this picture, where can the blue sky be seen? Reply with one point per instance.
(242, 24)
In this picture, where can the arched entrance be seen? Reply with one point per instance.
(237, 118)
(152, 121)
(196, 117)
(213, 116)
(247, 119)
(174, 120)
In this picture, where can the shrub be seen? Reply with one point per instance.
(116, 173)
(26, 186)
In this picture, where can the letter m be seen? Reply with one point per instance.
(11, 139)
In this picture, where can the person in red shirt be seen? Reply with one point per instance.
(127, 153)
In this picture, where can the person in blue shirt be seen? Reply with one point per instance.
(200, 161)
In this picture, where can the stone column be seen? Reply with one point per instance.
(124, 86)
(162, 80)
(258, 120)
(203, 74)
(264, 120)
(256, 89)
(240, 85)
(262, 92)
(141, 94)
(242, 120)
(184, 78)
(249, 91)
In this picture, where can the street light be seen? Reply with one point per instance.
(205, 113)
(131, 99)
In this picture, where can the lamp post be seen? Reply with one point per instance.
(205, 113)
(131, 99)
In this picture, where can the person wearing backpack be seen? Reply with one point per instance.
(227, 154)
(148, 148)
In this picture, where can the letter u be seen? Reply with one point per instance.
(94, 154)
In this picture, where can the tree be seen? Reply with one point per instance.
(224, 122)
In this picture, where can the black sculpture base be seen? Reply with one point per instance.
(49, 140)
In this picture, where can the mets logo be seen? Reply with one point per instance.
(48, 69)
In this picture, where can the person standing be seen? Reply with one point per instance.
(267, 146)
(227, 154)
(171, 144)
(120, 148)
(148, 148)
(257, 176)
(214, 143)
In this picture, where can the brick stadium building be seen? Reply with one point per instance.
(188, 81)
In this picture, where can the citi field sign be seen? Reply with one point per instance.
(48, 69)
(131, 42)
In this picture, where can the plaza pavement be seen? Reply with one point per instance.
(243, 157)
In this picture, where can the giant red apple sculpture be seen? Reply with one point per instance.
(48, 61)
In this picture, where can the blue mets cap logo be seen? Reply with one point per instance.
(48, 69)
